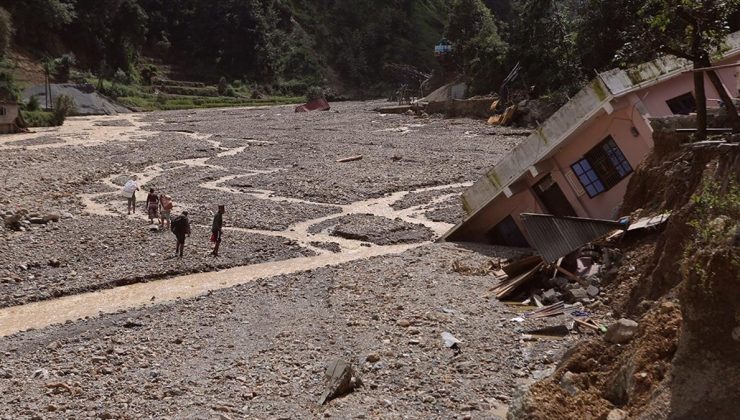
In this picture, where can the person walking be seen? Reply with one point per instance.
(129, 191)
(165, 209)
(216, 229)
(152, 206)
(180, 226)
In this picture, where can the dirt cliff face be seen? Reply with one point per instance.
(706, 369)
(706, 378)
(682, 286)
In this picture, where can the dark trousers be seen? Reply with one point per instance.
(180, 244)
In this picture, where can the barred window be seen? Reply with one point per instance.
(602, 168)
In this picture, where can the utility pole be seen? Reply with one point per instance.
(49, 101)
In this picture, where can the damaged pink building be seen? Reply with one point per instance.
(579, 161)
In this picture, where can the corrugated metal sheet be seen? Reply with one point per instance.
(554, 237)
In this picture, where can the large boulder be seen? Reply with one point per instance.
(621, 332)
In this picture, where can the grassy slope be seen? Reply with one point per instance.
(149, 102)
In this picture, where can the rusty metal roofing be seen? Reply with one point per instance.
(554, 236)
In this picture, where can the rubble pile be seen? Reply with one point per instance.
(674, 287)
(575, 278)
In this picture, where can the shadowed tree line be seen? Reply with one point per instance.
(348, 44)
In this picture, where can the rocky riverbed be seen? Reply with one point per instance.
(259, 350)
(352, 273)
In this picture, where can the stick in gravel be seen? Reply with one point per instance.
(349, 159)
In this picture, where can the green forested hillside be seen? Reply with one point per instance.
(302, 42)
(291, 45)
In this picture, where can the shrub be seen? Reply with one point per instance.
(230, 91)
(38, 118)
(315, 92)
(33, 104)
(148, 73)
(80, 78)
(116, 91)
(63, 107)
(121, 77)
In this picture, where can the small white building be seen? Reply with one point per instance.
(9, 112)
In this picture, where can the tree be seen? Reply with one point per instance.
(693, 30)
(34, 19)
(61, 67)
(477, 43)
(6, 31)
(542, 41)
(8, 87)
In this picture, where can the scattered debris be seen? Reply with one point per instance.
(506, 287)
(550, 331)
(588, 323)
(551, 310)
(340, 380)
(521, 265)
(349, 159)
(318, 104)
(450, 341)
(484, 269)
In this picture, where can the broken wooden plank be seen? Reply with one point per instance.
(586, 324)
(507, 286)
(551, 310)
(571, 276)
(349, 159)
(521, 265)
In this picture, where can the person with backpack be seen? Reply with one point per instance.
(129, 191)
(165, 209)
(180, 226)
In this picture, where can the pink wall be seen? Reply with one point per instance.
(618, 124)
(730, 76)
(11, 113)
(655, 97)
(603, 206)
(499, 209)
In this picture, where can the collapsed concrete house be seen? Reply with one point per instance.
(579, 161)
(9, 117)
